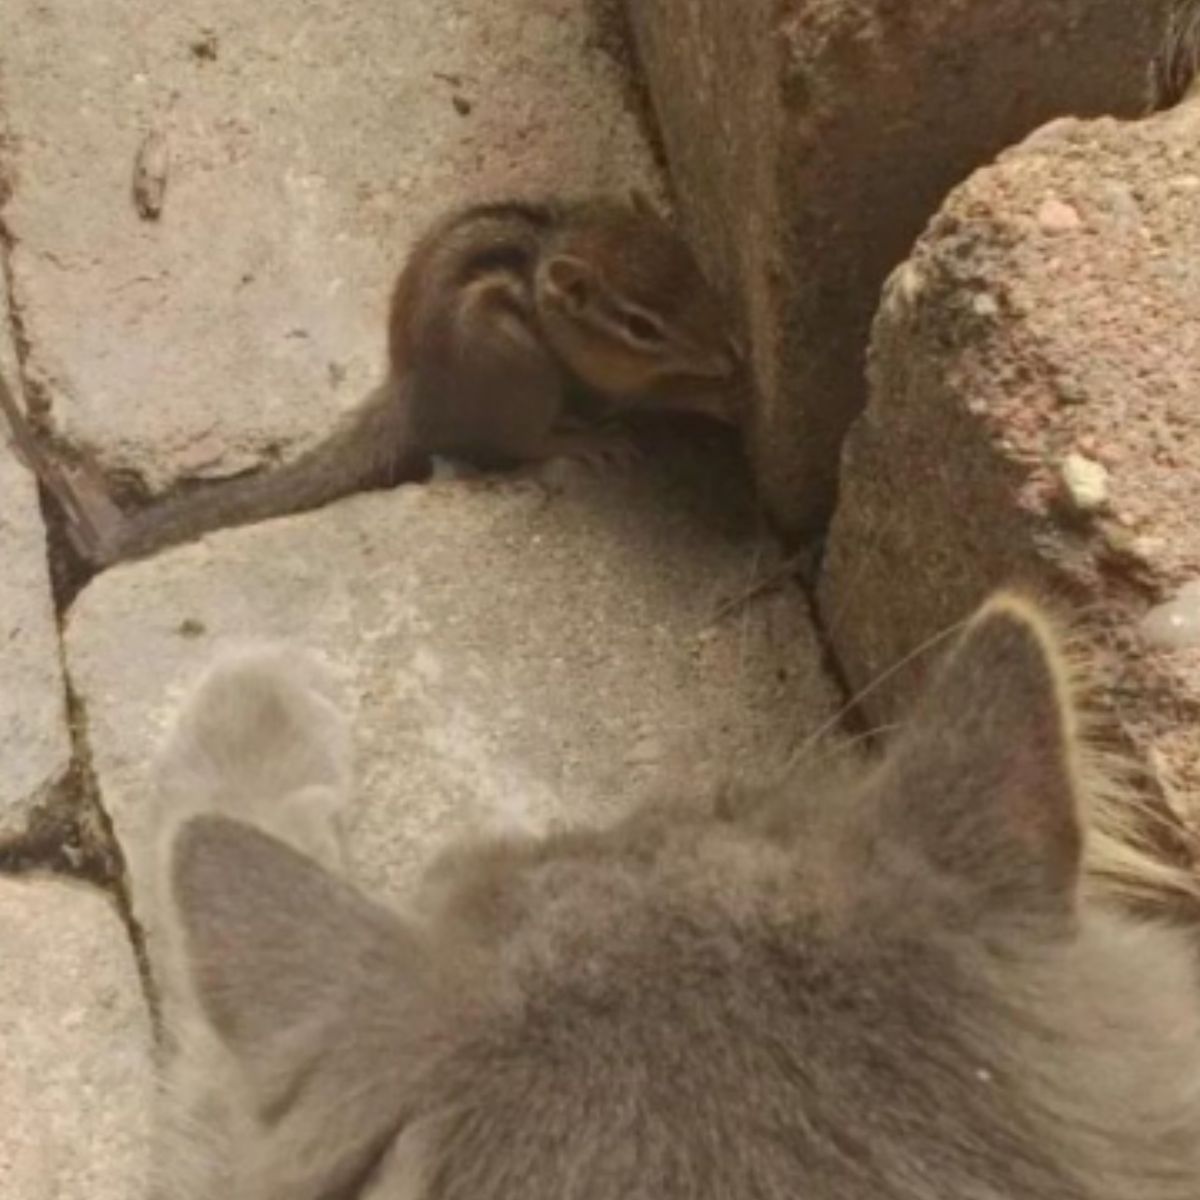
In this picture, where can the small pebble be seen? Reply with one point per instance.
(1085, 482)
(985, 305)
(206, 47)
(1147, 548)
(1056, 217)
(1175, 625)
(151, 165)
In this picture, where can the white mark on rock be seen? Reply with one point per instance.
(985, 305)
(1085, 483)
(903, 288)
(1175, 625)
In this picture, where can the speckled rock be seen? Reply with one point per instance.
(510, 656)
(810, 140)
(296, 148)
(76, 1080)
(1051, 309)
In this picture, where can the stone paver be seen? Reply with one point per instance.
(306, 143)
(35, 746)
(75, 1060)
(809, 142)
(1033, 417)
(510, 657)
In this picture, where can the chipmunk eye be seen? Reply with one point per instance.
(642, 329)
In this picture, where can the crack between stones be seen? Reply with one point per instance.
(67, 833)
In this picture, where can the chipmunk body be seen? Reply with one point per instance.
(514, 329)
(503, 306)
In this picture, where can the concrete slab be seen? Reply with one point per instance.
(303, 143)
(810, 140)
(35, 745)
(510, 656)
(76, 1079)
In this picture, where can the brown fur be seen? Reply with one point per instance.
(893, 988)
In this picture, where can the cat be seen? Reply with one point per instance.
(889, 986)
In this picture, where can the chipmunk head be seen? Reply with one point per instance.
(624, 304)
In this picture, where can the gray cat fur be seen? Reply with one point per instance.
(892, 987)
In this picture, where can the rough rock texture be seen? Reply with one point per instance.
(305, 143)
(35, 747)
(1035, 372)
(76, 1075)
(810, 140)
(512, 655)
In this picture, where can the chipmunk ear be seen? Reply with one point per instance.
(569, 280)
(985, 778)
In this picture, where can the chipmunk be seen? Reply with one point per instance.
(515, 330)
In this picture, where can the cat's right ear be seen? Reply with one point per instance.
(984, 779)
(322, 997)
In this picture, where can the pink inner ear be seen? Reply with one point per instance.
(1047, 828)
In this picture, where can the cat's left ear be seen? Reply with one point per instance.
(321, 996)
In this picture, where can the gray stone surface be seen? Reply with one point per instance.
(1051, 310)
(35, 746)
(511, 655)
(76, 1062)
(810, 140)
(307, 140)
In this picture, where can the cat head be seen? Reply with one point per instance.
(892, 988)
